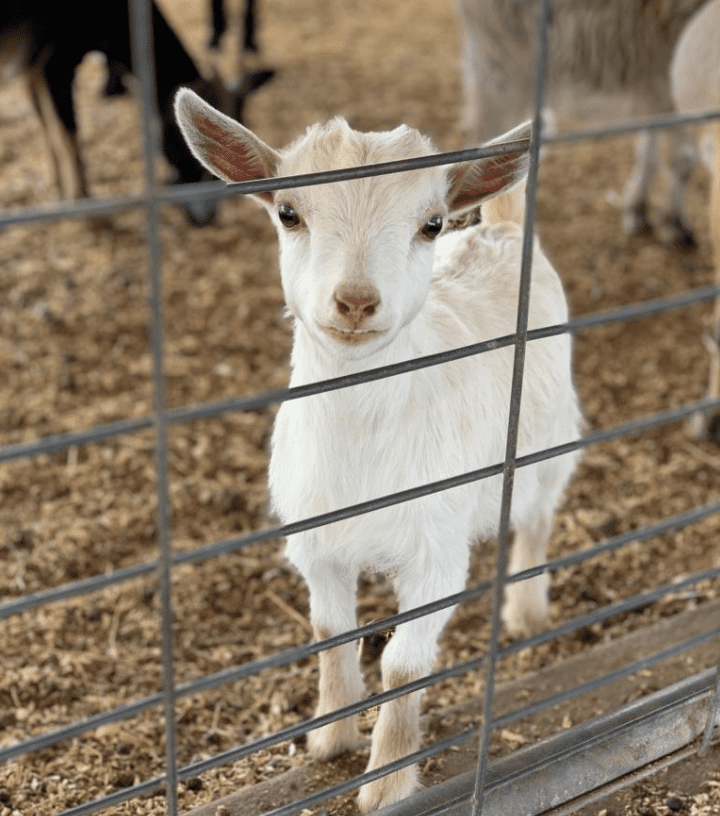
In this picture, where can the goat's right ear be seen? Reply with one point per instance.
(474, 182)
(222, 145)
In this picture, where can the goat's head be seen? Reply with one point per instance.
(356, 256)
(228, 98)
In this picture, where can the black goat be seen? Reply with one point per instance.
(47, 39)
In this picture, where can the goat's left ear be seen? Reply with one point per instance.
(222, 145)
(472, 183)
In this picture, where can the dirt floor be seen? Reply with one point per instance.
(74, 353)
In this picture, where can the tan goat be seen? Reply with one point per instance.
(695, 85)
(608, 59)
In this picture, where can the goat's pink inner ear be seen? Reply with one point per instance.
(471, 183)
(232, 158)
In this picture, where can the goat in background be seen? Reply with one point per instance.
(695, 84)
(219, 25)
(606, 59)
(46, 40)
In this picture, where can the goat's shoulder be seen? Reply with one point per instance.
(477, 270)
(479, 254)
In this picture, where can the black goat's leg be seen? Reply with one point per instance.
(52, 99)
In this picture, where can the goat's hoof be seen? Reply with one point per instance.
(636, 221)
(704, 427)
(673, 232)
(334, 739)
(526, 608)
(388, 790)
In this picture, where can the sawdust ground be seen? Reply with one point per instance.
(74, 353)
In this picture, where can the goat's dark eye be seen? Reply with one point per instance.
(432, 227)
(288, 216)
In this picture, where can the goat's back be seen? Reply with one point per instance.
(600, 48)
(695, 72)
(31, 32)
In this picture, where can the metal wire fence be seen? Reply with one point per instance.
(478, 792)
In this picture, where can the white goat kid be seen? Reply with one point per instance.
(357, 268)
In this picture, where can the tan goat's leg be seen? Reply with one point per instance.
(340, 685)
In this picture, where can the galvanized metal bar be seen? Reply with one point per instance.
(161, 418)
(521, 334)
(291, 732)
(144, 66)
(232, 675)
(63, 441)
(211, 189)
(580, 759)
(33, 600)
(194, 769)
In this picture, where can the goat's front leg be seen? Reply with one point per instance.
(408, 656)
(332, 611)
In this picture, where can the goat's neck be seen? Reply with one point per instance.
(173, 65)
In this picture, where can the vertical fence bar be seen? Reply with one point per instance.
(143, 58)
(144, 66)
(514, 413)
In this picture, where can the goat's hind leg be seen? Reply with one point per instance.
(526, 602)
(332, 612)
(637, 191)
(50, 89)
(679, 157)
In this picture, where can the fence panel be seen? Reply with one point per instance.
(560, 766)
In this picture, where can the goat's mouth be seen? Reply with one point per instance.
(352, 337)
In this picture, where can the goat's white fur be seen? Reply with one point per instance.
(607, 59)
(363, 239)
(695, 85)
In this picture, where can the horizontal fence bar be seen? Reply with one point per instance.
(433, 750)
(535, 779)
(62, 441)
(294, 731)
(226, 546)
(298, 653)
(201, 191)
(646, 709)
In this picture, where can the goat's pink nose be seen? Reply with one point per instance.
(355, 307)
